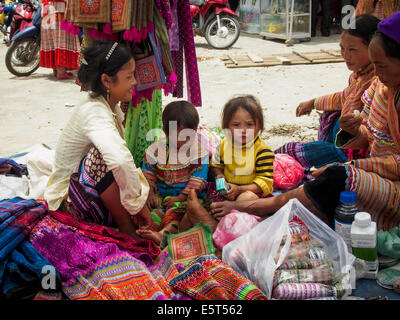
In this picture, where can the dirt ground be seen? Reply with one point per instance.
(35, 109)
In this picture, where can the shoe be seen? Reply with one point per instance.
(66, 76)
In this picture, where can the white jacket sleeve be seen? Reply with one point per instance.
(100, 128)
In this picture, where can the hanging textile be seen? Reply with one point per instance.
(139, 121)
(187, 47)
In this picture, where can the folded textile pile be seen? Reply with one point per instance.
(22, 267)
(307, 272)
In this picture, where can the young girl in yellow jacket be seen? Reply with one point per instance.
(242, 158)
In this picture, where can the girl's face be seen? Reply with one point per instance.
(354, 51)
(121, 89)
(243, 127)
(387, 68)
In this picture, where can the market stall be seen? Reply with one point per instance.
(278, 19)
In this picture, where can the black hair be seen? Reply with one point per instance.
(390, 46)
(366, 26)
(95, 56)
(248, 103)
(183, 112)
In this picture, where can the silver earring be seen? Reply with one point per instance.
(108, 95)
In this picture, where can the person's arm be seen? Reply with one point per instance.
(100, 128)
(387, 167)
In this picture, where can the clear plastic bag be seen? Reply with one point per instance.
(259, 253)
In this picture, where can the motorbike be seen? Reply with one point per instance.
(214, 20)
(18, 18)
(23, 56)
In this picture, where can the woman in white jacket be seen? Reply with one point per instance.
(94, 174)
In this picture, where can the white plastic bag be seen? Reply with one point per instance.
(256, 254)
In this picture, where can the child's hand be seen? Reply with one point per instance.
(169, 202)
(234, 191)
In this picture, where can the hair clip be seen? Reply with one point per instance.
(111, 50)
(84, 61)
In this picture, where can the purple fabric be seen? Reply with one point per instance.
(326, 123)
(391, 26)
(173, 32)
(69, 251)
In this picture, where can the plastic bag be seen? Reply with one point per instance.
(288, 173)
(259, 253)
(232, 226)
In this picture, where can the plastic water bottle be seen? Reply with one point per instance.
(344, 216)
(364, 243)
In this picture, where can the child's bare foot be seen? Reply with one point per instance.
(150, 235)
(197, 213)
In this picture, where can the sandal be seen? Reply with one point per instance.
(66, 76)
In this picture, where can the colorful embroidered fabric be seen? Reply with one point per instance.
(121, 14)
(185, 246)
(147, 249)
(170, 178)
(147, 73)
(70, 251)
(89, 11)
(122, 277)
(209, 278)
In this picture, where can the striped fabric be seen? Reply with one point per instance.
(383, 9)
(376, 180)
(57, 47)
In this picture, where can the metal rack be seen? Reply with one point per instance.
(285, 19)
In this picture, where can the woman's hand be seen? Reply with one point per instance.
(319, 171)
(233, 192)
(153, 200)
(350, 123)
(305, 108)
(143, 218)
(221, 208)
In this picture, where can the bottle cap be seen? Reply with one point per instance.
(362, 219)
(348, 197)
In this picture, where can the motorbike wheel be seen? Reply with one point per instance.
(224, 37)
(23, 57)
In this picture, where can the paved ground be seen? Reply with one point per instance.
(33, 109)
